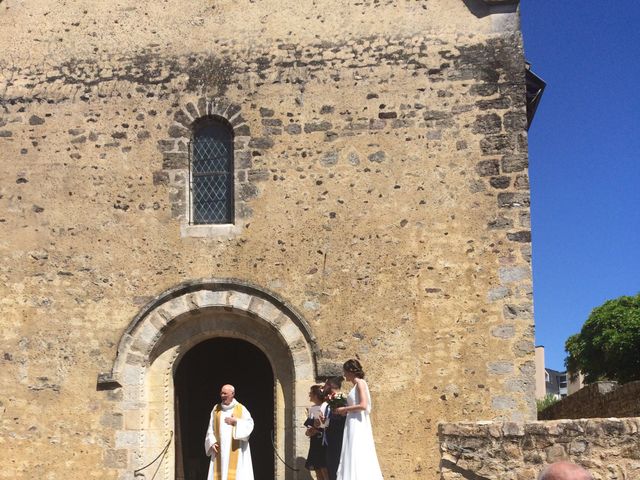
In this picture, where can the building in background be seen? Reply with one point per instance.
(554, 382)
(541, 374)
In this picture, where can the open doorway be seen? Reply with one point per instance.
(198, 378)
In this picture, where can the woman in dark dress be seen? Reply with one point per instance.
(316, 458)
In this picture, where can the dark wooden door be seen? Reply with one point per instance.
(198, 379)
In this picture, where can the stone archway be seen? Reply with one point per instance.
(167, 328)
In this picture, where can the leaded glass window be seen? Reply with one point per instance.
(212, 173)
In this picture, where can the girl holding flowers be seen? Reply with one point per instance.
(316, 458)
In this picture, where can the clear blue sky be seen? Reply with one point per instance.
(584, 154)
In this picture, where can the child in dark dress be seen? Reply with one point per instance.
(316, 458)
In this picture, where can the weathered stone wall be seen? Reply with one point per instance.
(600, 399)
(382, 191)
(608, 448)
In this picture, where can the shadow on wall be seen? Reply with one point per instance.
(482, 8)
(303, 473)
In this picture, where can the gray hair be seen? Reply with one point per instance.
(564, 471)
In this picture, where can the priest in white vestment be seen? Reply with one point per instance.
(227, 440)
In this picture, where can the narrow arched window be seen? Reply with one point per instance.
(211, 172)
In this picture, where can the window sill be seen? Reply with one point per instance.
(229, 230)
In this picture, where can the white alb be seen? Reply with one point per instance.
(241, 432)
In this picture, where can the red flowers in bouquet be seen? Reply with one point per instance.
(336, 400)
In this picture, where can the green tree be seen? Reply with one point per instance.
(608, 346)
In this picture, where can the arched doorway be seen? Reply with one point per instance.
(198, 378)
(151, 353)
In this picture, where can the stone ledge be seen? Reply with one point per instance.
(210, 231)
(509, 451)
(106, 381)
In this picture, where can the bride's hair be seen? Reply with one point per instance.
(355, 367)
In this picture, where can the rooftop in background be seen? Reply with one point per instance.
(535, 89)
(501, 2)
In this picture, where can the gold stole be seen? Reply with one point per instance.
(235, 445)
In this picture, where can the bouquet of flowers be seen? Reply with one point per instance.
(336, 400)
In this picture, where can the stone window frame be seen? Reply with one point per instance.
(175, 165)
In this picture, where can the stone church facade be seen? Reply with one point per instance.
(376, 206)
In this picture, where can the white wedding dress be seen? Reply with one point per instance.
(358, 459)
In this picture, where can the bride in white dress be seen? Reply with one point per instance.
(358, 459)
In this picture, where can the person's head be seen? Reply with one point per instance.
(315, 394)
(352, 369)
(227, 394)
(332, 384)
(564, 471)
